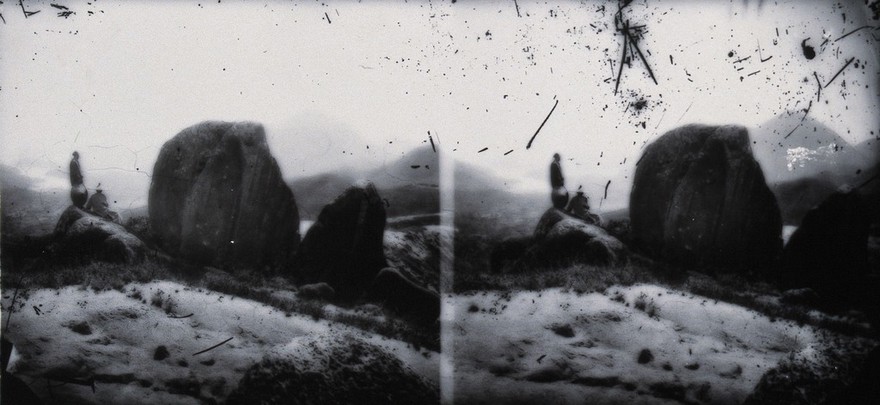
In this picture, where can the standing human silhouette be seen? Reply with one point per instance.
(558, 194)
(78, 193)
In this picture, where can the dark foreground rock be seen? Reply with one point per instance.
(829, 251)
(344, 371)
(699, 197)
(402, 292)
(217, 198)
(850, 377)
(344, 247)
(14, 390)
(507, 252)
(80, 234)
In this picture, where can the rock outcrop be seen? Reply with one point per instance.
(81, 234)
(218, 198)
(344, 247)
(699, 197)
(419, 249)
(410, 284)
(829, 251)
(79, 195)
(560, 237)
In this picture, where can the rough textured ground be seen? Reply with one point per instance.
(638, 344)
(138, 345)
(324, 370)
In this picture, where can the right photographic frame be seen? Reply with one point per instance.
(664, 202)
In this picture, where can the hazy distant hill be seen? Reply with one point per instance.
(808, 166)
(314, 192)
(25, 210)
(409, 186)
(419, 167)
(477, 192)
(812, 150)
(485, 205)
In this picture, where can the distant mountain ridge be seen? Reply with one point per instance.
(810, 164)
(409, 185)
(26, 211)
(789, 148)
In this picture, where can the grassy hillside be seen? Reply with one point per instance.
(26, 210)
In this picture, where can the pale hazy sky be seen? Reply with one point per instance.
(330, 79)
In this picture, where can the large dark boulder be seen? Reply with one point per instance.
(79, 234)
(699, 198)
(829, 251)
(218, 198)
(344, 247)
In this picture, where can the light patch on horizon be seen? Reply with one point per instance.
(798, 157)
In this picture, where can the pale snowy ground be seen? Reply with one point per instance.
(75, 333)
(561, 347)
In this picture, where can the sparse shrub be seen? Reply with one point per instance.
(163, 301)
(645, 304)
(361, 374)
(620, 229)
(140, 227)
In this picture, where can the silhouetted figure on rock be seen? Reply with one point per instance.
(78, 192)
(99, 206)
(579, 206)
(559, 195)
